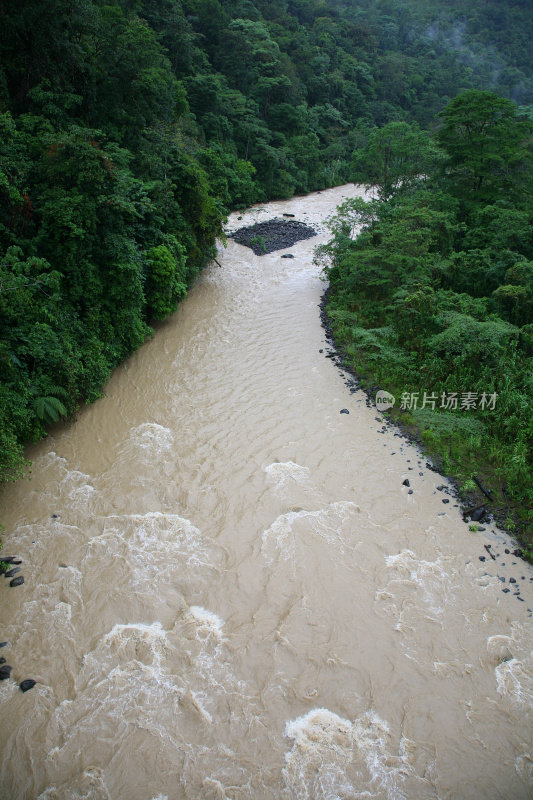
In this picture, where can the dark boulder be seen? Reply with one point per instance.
(11, 572)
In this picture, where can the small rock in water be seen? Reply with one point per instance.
(406, 482)
(2, 660)
(445, 501)
(11, 572)
(410, 491)
(5, 672)
(344, 411)
(55, 516)
(482, 558)
(506, 590)
(477, 514)
(10, 560)
(18, 581)
(518, 553)
(3, 644)
(26, 685)
(512, 580)
(287, 255)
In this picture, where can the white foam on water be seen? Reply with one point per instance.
(499, 649)
(280, 540)
(148, 456)
(513, 664)
(68, 488)
(50, 615)
(158, 690)
(153, 437)
(89, 786)
(151, 548)
(214, 790)
(207, 620)
(283, 473)
(125, 686)
(333, 758)
(515, 681)
(430, 580)
(524, 766)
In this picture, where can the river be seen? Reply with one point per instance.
(229, 592)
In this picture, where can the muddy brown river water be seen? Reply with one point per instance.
(238, 598)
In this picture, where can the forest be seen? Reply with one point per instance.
(433, 301)
(130, 128)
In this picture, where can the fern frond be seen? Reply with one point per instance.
(49, 409)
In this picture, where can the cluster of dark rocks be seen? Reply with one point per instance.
(274, 234)
(514, 586)
(10, 571)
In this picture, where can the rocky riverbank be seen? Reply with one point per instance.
(477, 507)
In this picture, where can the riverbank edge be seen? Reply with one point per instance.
(496, 512)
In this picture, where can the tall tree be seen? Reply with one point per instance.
(489, 147)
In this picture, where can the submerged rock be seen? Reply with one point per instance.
(5, 672)
(18, 581)
(26, 685)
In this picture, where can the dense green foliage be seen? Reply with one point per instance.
(435, 295)
(128, 129)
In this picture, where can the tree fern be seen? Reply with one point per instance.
(49, 409)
